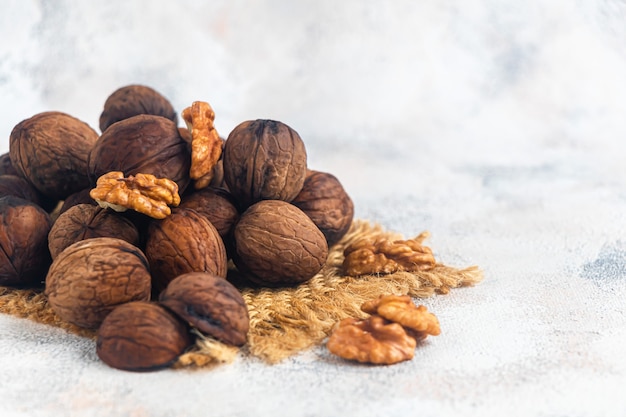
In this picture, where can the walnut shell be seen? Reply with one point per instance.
(86, 221)
(24, 255)
(217, 205)
(141, 336)
(210, 304)
(327, 203)
(6, 167)
(132, 100)
(183, 242)
(18, 187)
(50, 150)
(143, 144)
(80, 197)
(91, 277)
(264, 160)
(277, 244)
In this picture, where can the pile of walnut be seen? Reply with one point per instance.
(131, 231)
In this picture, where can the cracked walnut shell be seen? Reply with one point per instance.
(91, 277)
(383, 256)
(211, 304)
(372, 340)
(400, 309)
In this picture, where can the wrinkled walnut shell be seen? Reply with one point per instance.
(80, 197)
(91, 277)
(50, 150)
(217, 205)
(85, 221)
(141, 336)
(326, 202)
(183, 242)
(264, 160)
(277, 244)
(6, 167)
(18, 187)
(24, 255)
(132, 100)
(210, 304)
(144, 144)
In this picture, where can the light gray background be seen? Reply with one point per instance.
(497, 125)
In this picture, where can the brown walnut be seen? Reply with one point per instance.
(183, 242)
(85, 221)
(24, 255)
(141, 336)
(217, 205)
(327, 203)
(50, 150)
(132, 100)
(264, 160)
(210, 304)
(91, 277)
(80, 197)
(18, 187)
(6, 167)
(144, 144)
(277, 244)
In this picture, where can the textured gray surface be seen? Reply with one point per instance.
(496, 125)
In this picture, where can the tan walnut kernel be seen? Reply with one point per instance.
(400, 309)
(372, 340)
(142, 192)
(206, 145)
(383, 256)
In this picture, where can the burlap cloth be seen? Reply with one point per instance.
(284, 321)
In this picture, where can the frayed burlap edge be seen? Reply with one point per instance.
(285, 321)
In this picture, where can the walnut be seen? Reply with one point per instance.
(183, 242)
(90, 277)
(141, 336)
(86, 221)
(24, 255)
(372, 340)
(6, 167)
(51, 150)
(210, 304)
(80, 197)
(206, 145)
(264, 160)
(326, 202)
(142, 192)
(401, 309)
(277, 244)
(133, 100)
(142, 144)
(382, 256)
(217, 205)
(18, 187)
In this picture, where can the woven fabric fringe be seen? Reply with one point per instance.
(285, 321)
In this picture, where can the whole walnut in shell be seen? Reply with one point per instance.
(143, 144)
(80, 197)
(24, 255)
(86, 221)
(18, 187)
(210, 304)
(51, 149)
(277, 244)
(183, 242)
(141, 336)
(91, 277)
(132, 100)
(327, 203)
(217, 205)
(6, 167)
(264, 160)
